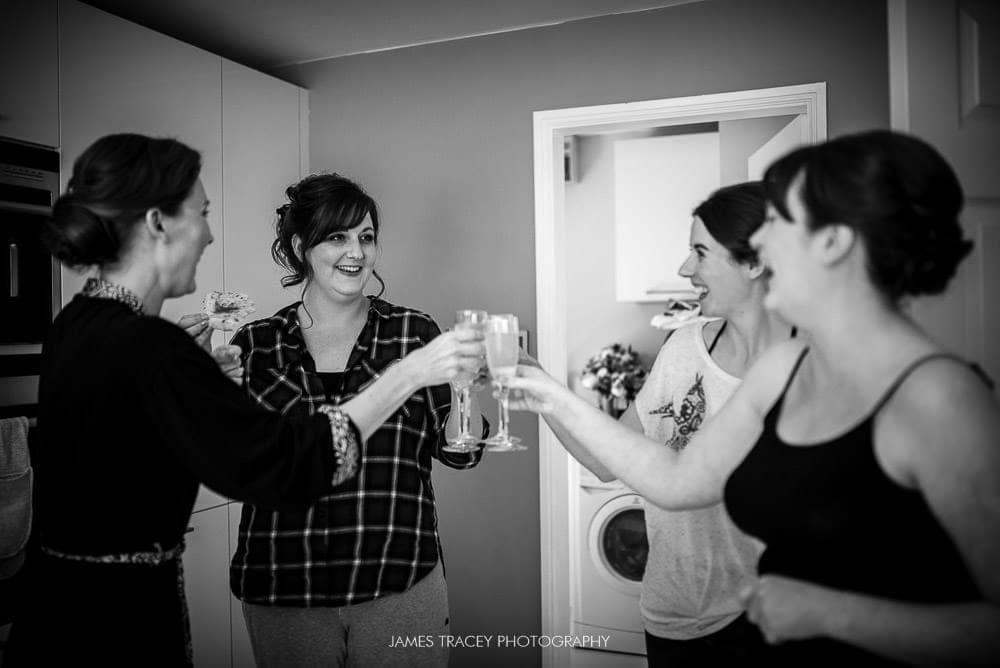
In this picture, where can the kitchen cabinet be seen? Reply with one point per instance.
(265, 150)
(120, 77)
(206, 585)
(29, 76)
(218, 633)
(658, 182)
(242, 652)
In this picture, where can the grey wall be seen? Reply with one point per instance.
(441, 136)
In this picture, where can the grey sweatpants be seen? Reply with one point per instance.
(398, 630)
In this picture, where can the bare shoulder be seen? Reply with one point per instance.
(943, 389)
(940, 434)
(768, 376)
(711, 328)
(943, 415)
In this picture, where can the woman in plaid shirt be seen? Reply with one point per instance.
(337, 582)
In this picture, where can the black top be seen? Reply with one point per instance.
(830, 515)
(133, 414)
(333, 382)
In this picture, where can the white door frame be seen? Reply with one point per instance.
(557, 476)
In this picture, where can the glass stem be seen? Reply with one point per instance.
(504, 413)
(465, 411)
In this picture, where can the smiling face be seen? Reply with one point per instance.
(341, 264)
(186, 237)
(722, 283)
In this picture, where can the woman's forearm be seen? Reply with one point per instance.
(578, 451)
(372, 407)
(649, 468)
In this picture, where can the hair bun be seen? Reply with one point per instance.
(933, 201)
(933, 256)
(77, 236)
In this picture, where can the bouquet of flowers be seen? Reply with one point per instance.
(615, 373)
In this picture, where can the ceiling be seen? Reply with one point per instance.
(270, 34)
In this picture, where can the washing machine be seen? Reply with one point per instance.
(611, 555)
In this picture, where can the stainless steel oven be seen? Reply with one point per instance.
(29, 276)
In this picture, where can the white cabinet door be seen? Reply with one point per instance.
(206, 583)
(120, 77)
(263, 154)
(29, 71)
(658, 182)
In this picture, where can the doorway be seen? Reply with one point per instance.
(559, 474)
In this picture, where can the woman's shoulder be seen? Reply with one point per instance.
(678, 354)
(770, 374)
(388, 310)
(687, 334)
(282, 319)
(940, 386)
(152, 340)
(942, 421)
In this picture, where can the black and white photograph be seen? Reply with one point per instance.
(462, 334)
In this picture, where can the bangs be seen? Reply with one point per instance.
(341, 215)
(780, 174)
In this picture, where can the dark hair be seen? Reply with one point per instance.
(318, 206)
(895, 191)
(114, 182)
(732, 214)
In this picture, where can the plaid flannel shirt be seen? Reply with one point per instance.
(377, 533)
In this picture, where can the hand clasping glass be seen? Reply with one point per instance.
(465, 441)
(501, 356)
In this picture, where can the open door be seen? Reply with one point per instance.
(788, 138)
(945, 89)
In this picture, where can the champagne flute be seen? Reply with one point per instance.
(465, 441)
(501, 357)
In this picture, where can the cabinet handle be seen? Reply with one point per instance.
(12, 254)
(189, 530)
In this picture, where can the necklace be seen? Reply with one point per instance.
(101, 289)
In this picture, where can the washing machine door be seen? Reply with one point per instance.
(618, 545)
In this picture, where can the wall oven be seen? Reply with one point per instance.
(29, 276)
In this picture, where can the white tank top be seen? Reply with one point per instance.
(698, 560)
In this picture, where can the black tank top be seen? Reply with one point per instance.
(829, 515)
(332, 383)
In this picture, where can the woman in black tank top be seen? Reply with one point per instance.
(866, 462)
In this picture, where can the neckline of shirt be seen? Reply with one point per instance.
(699, 336)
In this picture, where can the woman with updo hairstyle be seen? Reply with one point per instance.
(335, 583)
(862, 455)
(134, 414)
